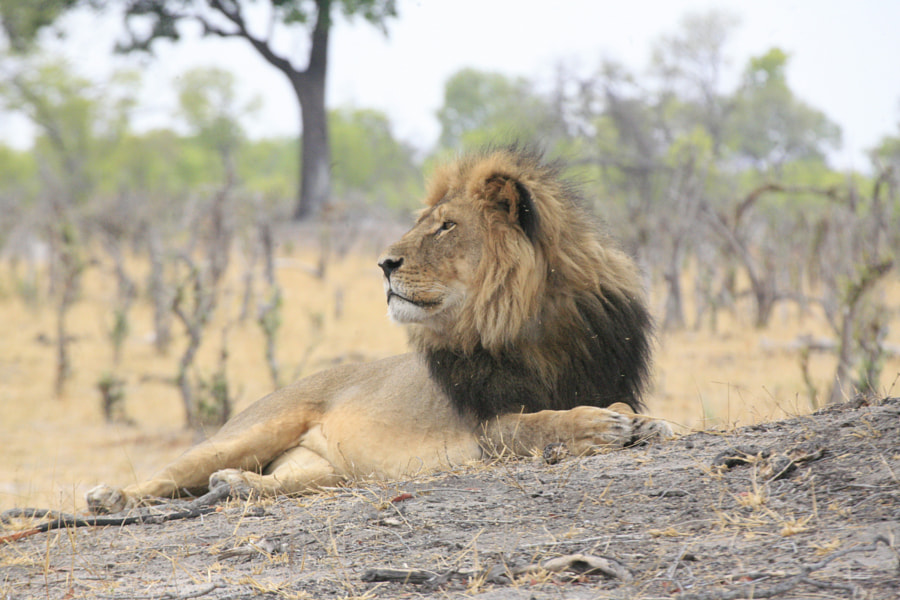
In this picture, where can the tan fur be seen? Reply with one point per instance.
(466, 278)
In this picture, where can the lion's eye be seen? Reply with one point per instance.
(446, 226)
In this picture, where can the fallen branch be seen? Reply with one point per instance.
(399, 575)
(199, 506)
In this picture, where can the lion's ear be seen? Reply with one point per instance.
(514, 200)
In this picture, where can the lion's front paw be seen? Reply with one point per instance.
(594, 428)
(104, 499)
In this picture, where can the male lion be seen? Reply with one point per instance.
(524, 322)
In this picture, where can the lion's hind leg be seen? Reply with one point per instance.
(296, 471)
(248, 449)
(187, 474)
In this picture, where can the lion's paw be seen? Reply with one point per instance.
(104, 499)
(234, 479)
(595, 428)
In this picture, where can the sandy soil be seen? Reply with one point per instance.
(709, 515)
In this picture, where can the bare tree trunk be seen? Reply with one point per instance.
(840, 385)
(126, 293)
(868, 277)
(315, 152)
(765, 297)
(160, 293)
(63, 363)
(762, 284)
(194, 320)
(674, 316)
(269, 316)
(71, 267)
(251, 256)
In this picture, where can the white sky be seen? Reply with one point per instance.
(844, 57)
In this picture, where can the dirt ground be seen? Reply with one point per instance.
(807, 507)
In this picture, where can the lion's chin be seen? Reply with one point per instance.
(404, 312)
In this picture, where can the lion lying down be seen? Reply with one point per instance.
(524, 323)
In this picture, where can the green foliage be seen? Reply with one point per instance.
(367, 159)
(695, 52)
(887, 152)
(161, 19)
(112, 394)
(269, 167)
(687, 65)
(22, 20)
(376, 12)
(118, 333)
(481, 108)
(62, 106)
(207, 101)
(214, 400)
(152, 163)
(18, 177)
(769, 125)
(91, 138)
(270, 320)
(767, 68)
(692, 150)
(79, 125)
(303, 12)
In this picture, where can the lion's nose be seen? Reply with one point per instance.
(389, 265)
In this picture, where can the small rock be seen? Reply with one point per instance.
(777, 466)
(555, 453)
(740, 455)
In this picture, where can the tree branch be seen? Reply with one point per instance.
(755, 195)
(262, 46)
(318, 53)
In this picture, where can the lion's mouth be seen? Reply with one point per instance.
(420, 303)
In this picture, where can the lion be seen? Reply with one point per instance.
(527, 327)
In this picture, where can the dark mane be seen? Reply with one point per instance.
(607, 361)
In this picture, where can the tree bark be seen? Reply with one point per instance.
(315, 151)
(674, 315)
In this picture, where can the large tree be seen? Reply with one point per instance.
(770, 126)
(149, 20)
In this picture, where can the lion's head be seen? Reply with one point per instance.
(513, 296)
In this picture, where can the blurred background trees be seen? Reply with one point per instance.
(146, 21)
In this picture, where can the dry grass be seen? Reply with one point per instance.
(55, 448)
